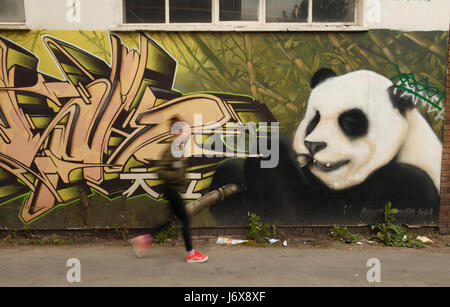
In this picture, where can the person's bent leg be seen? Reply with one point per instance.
(140, 244)
(179, 210)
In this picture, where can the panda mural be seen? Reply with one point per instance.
(361, 144)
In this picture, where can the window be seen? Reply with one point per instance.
(12, 15)
(12, 11)
(310, 11)
(334, 11)
(238, 10)
(145, 11)
(241, 14)
(190, 11)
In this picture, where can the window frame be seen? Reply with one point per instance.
(260, 25)
(16, 25)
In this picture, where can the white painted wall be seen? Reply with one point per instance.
(407, 15)
(53, 14)
(411, 15)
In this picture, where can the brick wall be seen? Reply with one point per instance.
(444, 213)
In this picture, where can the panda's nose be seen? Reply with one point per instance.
(315, 147)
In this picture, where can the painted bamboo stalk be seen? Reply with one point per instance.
(195, 58)
(250, 69)
(267, 91)
(191, 69)
(214, 59)
(415, 37)
(388, 53)
(338, 46)
(296, 60)
(368, 55)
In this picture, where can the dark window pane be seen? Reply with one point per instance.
(238, 10)
(333, 10)
(12, 11)
(190, 10)
(144, 11)
(286, 11)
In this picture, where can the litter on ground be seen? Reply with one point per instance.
(224, 240)
(424, 239)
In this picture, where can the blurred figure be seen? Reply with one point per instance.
(172, 172)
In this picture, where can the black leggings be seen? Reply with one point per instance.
(179, 210)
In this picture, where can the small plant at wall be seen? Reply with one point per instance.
(341, 233)
(168, 233)
(121, 231)
(10, 236)
(27, 231)
(259, 231)
(274, 230)
(391, 233)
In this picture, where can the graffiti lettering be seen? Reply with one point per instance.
(195, 177)
(408, 83)
(139, 175)
(101, 127)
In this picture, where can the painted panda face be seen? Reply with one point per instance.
(350, 129)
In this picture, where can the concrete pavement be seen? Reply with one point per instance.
(234, 266)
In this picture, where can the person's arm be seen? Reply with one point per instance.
(163, 164)
(168, 170)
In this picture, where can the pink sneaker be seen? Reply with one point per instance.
(196, 258)
(141, 244)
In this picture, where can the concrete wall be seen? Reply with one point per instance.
(411, 15)
(406, 15)
(84, 118)
(52, 14)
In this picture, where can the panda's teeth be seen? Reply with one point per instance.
(314, 161)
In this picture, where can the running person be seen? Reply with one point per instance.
(172, 172)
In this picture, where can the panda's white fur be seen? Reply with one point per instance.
(421, 147)
(390, 134)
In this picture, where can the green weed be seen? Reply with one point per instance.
(259, 231)
(391, 233)
(341, 233)
(121, 231)
(168, 233)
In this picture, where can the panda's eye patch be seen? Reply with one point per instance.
(313, 123)
(354, 123)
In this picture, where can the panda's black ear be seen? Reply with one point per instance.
(321, 75)
(401, 99)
